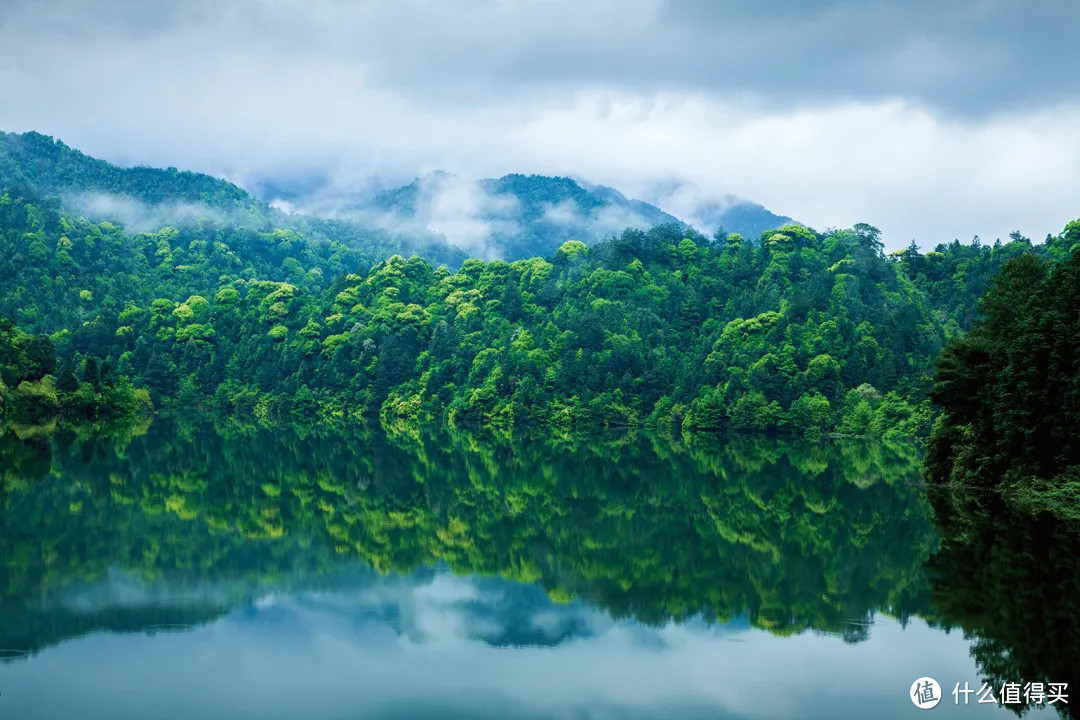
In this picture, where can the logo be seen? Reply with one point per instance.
(925, 693)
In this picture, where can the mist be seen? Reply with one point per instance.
(136, 216)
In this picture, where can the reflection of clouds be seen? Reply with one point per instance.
(303, 657)
(431, 644)
(427, 607)
(123, 590)
(445, 608)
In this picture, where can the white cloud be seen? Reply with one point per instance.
(612, 218)
(312, 659)
(466, 215)
(601, 221)
(459, 210)
(687, 201)
(227, 96)
(563, 213)
(138, 216)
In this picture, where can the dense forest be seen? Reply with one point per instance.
(1010, 388)
(793, 331)
(35, 387)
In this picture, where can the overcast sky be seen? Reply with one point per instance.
(931, 119)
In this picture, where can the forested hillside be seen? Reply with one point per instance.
(38, 162)
(442, 218)
(520, 216)
(793, 330)
(513, 217)
(1010, 389)
(144, 198)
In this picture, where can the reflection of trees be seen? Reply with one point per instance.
(1011, 580)
(794, 535)
(23, 462)
(29, 629)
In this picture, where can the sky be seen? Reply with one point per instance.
(930, 119)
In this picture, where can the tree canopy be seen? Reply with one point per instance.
(796, 330)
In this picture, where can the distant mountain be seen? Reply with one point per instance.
(440, 216)
(711, 213)
(518, 216)
(49, 166)
(511, 217)
(746, 218)
(146, 199)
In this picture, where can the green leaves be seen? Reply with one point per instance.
(664, 325)
(1010, 389)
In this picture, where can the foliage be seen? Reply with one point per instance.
(85, 389)
(650, 327)
(272, 316)
(35, 165)
(1010, 389)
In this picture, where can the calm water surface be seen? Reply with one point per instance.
(213, 570)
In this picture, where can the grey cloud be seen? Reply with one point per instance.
(931, 120)
(965, 57)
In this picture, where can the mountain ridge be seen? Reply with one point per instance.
(440, 216)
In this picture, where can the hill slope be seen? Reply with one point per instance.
(440, 216)
(518, 216)
(746, 218)
(145, 199)
(49, 166)
(512, 217)
(800, 330)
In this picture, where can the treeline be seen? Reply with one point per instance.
(35, 387)
(797, 330)
(800, 330)
(1010, 388)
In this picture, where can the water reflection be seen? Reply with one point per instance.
(617, 574)
(791, 536)
(1011, 580)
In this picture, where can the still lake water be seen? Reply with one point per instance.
(214, 570)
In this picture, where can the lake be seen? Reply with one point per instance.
(211, 569)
